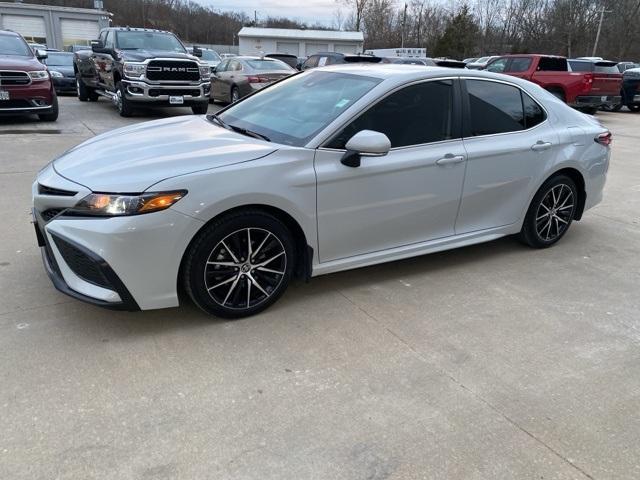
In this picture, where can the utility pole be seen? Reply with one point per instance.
(595, 45)
(404, 23)
(255, 18)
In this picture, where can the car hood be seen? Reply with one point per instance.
(142, 55)
(132, 159)
(16, 62)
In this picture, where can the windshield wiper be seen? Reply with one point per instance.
(214, 116)
(249, 133)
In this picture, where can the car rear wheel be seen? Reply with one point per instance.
(235, 94)
(239, 265)
(634, 107)
(52, 116)
(85, 93)
(551, 212)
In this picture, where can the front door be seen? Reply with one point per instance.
(411, 194)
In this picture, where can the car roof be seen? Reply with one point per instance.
(9, 33)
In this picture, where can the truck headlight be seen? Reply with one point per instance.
(205, 72)
(134, 69)
(55, 74)
(39, 75)
(117, 205)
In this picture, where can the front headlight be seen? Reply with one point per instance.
(55, 74)
(39, 75)
(205, 72)
(117, 205)
(134, 69)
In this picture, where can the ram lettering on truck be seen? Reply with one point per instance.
(142, 67)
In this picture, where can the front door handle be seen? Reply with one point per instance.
(450, 159)
(539, 146)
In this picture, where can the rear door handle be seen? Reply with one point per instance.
(450, 159)
(539, 146)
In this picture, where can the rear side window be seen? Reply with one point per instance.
(498, 66)
(311, 62)
(429, 105)
(605, 67)
(552, 64)
(519, 64)
(578, 66)
(500, 108)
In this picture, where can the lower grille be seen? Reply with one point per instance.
(18, 103)
(156, 92)
(47, 215)
(81, 264)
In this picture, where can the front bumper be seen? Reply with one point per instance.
(137, 91)
(36, 97)
(597, 101)
(65, 84)
(125, 263)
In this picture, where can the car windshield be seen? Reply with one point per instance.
(482, 60)
(293, 111)
(210, 55)
(13, 45)
(264, 64)
(132, 40)
(60, 59)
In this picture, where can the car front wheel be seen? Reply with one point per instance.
(551, 212)
(239, 264)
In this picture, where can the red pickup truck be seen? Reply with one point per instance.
(592, 87)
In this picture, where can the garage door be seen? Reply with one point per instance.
(78, 32)
(31, 28)
(316, 47)
(292, 48)
(345, 48)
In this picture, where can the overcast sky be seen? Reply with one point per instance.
(306, 10)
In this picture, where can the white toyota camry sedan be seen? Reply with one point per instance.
(331, 169)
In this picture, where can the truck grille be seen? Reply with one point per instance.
(14, 78)
(169, 70)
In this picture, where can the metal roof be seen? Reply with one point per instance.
(291, 34)
(31, 6)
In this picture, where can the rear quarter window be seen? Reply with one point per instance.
(552, 64)
(578, 66)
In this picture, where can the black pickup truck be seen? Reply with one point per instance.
(139, 66)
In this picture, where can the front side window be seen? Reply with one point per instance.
(500, 108)
(415, 115)
(294, 110)
(552, 64)
(108, 43)
(498, 66)
(223, 66)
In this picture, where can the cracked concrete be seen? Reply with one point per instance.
(489, 362)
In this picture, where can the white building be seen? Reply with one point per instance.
(301, 43)
(399, 52)
(56, 27)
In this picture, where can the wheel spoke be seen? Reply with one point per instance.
(562, 220)
(261, 244)
(257, 285)
(269, 270)
(249, 293)
(566, 207)
(233, 286)
(235, 259)
(229, 280)
(249, 244)
(545, 215)
(223, 264)
(266, 262)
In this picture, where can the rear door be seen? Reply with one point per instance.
(607, 79)
(508, 142)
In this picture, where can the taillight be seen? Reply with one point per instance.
(604, 139)
(257, 79)
(587, 82)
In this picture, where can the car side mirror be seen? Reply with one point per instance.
(365, 143)
(41, 54)
(197, 51)
(214, 69)
(97, 46)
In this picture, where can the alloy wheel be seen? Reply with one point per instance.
(245, 268)
(555, 212)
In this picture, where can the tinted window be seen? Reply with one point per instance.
(578, 66)
(268, 65)
(222, 67)
(108, 42)
(139, 40)
(498, 66)
(533, 113)
(59, 59)
(494, 108)
(295, 110)
(605, 67)
(311, 62)
(428, 106)
(552, 64)
(519, 65)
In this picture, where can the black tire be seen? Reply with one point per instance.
(52, 116)
(551, 212)
(588, 110)
(219, 257)
(234, 96)
(611, 108)
(634, 107)
(122, 104)
(200, 108)
(85, 93)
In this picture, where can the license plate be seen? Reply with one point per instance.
(4, 95)
(175, 100)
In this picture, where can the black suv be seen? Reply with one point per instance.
(139, 66)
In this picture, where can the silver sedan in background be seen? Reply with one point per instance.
(332, 169)
(237, 77)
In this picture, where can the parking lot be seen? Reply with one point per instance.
(490, 362)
